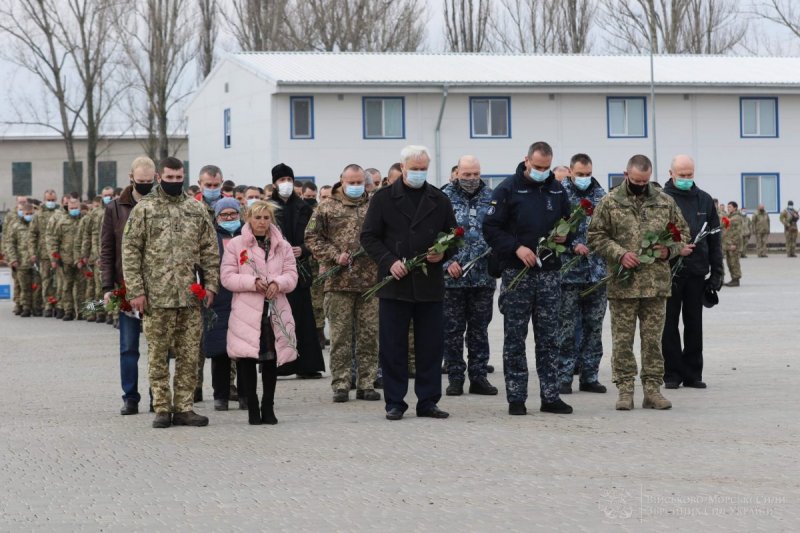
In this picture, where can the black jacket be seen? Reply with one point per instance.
(292, 218)
(394, 229)
(522, 212)
(697, 207)
(215, 337)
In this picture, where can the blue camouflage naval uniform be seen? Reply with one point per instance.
(468, 300)
(588, 312)
(521, 213)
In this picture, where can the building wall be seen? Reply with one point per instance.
(47, 157)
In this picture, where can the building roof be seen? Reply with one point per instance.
(400, 69)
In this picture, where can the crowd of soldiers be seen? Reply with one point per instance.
(366, 227)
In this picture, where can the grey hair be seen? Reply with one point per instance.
(412, 152)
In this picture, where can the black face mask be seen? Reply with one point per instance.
(312, 203)
(637, 190)
(172, 188)
(143, 188)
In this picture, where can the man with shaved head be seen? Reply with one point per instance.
(684, 364)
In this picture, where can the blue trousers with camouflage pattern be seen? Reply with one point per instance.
(587, 313)
(536, 298)
(467, 310)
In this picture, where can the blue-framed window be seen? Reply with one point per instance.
(493, 180)
(384, 117)
(758, 117)
(312, 179)
(21, 178)
(626, 116)
(615, 180)
(761, 188)
(489, 117)
(226, 127)
(302, 117)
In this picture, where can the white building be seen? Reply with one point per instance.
(737, 116)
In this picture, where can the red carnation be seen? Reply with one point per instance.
(52, 300)
(243, 257)
(458, 232)
(34, 287)
(676, 233)
(726, 222)
(56, 256)
(587, 207)
(198, 291)
(88, 274)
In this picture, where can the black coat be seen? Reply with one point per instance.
(215, 337)
(292, 218)
(394, 229)
(697, 207)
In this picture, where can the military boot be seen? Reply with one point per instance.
(100, 318)
(17, 309)
(48, 313)
(25, 313)
(654, 400)
(189, 418)
(625, 400)
(162, 420)
(59, 314)
(733, 283)
(67, 317)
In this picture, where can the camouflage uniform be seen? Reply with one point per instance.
(334, 228)
(618, 225)
(585, 312)
(9, 223)
(90, 250)
(81, 281)
(317, 296)
(761, 229)
(746, 232)
(468, 300)
(15, 240)
(789, 220)
(165, 239)
(732, 237)
(38, 249)
(57, 274)
(61, 240)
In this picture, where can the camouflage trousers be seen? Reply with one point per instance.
(29, 298)
(80, 290)
(734, 265)
(467, 311)
(69, 286)
(59, 289)
(318, 303)
(17, 289)
(91, 293)
(354, 335)
(536, 298)
(651, 313)
(48, 285)
(180, 331)
(589, 311)
(761, 243)
(791, 241)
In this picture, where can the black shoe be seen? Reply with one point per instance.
(68, 317)
(378, 383)
(189, 418)
(312, 375)
(565, 388)
(25, 313)
(198, 395)
(37, 313)
(48, 313)
(368, 395)
(695, 384)
(455, 388)
(594, 386)
(558, 407)
(253, 412)
(482, 386)
(59, 314)
(129, 408)
(341, 396)
(268, 415)
(220, 405)
(433, 412)
(162, 420)
(671, 384)
(394, 414)
(517, 408)
(490, 369)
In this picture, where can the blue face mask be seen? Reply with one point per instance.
(50, 204)
(683, 184)
(251, 201)
(583, 183)
(416, 178)
(27, 218)
(74, 212)
(354, 191)
(106, 200)
(19, 213)
(212, 194)
(230, 225)
(539, 176)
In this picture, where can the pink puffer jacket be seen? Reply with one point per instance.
(244, 327)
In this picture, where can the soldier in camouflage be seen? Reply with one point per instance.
(9, 222)
(90, 250)
(761, 229)
(746, 233)
(16, 237)
(616, 231)
(61, 243)
(332, 235)
(586, 311)
(732, 244)
(167, 244)
(57, 274)
(38, 249)
(789, 218)
(468, 299)
(82, 293)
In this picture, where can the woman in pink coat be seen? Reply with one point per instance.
(258, 267)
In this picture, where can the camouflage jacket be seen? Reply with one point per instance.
(619, 224)
(16, 239)
(165, 240)
(746, 227)
(78, 244)
(9, 221)
(90, 241)
(593, 268)
(789, 218)
(732, 236)
(38, 235)
(470, 212)
(61, 237)
(761, 223)
(335, 227)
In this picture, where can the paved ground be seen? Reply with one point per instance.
(722, 459)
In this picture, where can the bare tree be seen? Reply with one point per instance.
(209, 29)
(786, 13)
(258, 25)
(644, 25)
(576, 17)
(545, 26)
(713, 27)
(467, 24)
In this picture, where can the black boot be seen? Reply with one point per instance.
(253, 413)
(269, 379)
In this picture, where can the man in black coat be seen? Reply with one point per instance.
(292, 216)
(685, 364)
(403, 221)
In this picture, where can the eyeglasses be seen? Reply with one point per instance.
(228, 216)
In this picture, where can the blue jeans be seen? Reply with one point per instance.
(129, 331)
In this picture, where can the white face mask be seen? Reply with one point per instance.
(286, 189)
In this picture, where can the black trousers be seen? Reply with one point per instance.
(221, 377)
(269, 377)
(395, 317)
(684, 364)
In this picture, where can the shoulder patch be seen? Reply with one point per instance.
(491, 209)
(127, 226)
(312, 224)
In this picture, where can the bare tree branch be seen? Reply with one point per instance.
(467, 25)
